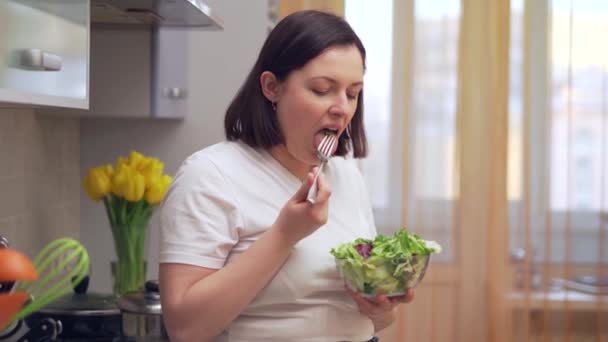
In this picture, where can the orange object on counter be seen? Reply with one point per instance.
(10, 303)
(15, 266)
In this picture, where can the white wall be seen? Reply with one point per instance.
(219, 62)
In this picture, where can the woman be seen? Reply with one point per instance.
(244, 256)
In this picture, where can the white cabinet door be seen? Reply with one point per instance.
(44, 52)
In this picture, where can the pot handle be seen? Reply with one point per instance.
(47, 329)
(82, 286)
(152, 286)
(11, 330)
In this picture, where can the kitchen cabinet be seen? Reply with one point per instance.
(137, 72)
(99, 58)
(44, 53)
(142, 70)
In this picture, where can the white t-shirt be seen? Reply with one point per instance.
(225, 196)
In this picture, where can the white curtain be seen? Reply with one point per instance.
(495, 145)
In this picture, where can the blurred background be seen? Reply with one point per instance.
(488, 127)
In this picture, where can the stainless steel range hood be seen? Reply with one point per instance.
(165, 13)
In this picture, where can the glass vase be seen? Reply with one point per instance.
(128, 277)
(129, 269)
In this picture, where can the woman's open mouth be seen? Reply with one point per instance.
(323, 132)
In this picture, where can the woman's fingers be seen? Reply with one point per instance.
(323, 190)
(366, 307)
(371, 306)
(383, 302)
(302, 192)
(409, 296)
(380, 303)
(358, 298)
(406, 298)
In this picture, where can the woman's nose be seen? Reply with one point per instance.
(340, 105)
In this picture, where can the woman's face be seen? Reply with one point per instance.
(322, 95)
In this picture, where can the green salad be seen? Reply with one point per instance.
(384, 265)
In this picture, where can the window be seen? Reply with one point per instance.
(568, 144)
(564, 138)
(373, 23)
(578, 106)
(432, 113)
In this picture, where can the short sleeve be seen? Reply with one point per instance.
(199, 216)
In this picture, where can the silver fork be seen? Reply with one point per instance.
(324, 152)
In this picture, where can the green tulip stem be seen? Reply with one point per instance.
(129, 222)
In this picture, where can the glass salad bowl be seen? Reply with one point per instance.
(386, 265)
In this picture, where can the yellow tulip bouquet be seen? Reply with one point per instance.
(130, 192)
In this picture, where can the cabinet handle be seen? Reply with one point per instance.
(40, 60)
(175, 93)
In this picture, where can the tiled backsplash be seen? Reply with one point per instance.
(39, 178)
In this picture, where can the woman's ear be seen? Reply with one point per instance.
(271, 87)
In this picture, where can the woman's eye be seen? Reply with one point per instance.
(320, 91)
(352, 96)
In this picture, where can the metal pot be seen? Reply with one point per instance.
(142, 318)
(80, 316)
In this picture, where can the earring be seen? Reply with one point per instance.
(274, 106)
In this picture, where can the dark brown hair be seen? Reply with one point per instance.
(295, 40)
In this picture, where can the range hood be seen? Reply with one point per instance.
(163, 13)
